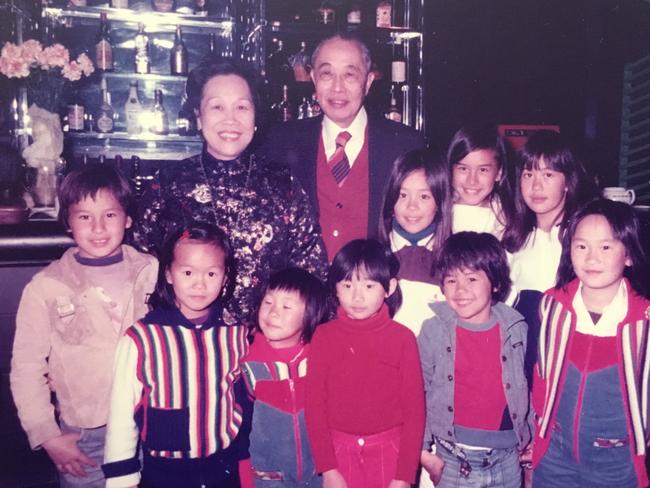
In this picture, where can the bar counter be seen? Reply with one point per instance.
(33, 243)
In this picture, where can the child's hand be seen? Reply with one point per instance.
(526, 461)
(399, 484)
(333, 479)
(432, 464)
(66, 455)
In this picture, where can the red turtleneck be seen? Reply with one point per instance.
(365, 378)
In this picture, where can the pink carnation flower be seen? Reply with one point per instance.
(54, 56)
(30, 49)
(14, 68)
(72, 71)
(86, 64)
(11, 52)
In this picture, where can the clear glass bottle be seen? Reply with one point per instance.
(314, 107)
(103, 48)
(133, 110)
(303, 109)
(159, 120)
(285, 110)
(178, 54)
(142, 59)
(105, 117)
(394, 113)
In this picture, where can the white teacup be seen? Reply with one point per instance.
(619, 194)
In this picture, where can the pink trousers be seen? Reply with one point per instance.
(367, 461)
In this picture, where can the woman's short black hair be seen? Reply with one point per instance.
(479, 252)
(87, 181)
(437, 178)
(164, 296)
(310, 289)
(625, 228)
(210, 67)
(371, 258)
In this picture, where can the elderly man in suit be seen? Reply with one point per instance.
(344, 157)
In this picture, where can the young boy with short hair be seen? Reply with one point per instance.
(472, 353)
(70, 318)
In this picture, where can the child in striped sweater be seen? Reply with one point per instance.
(177, 387)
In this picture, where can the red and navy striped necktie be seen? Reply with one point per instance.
(338, 163)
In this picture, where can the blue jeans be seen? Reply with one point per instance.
(91, 443)
(490, 468)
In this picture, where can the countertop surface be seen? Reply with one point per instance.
(32, 242)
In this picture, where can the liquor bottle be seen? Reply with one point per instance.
(303, 109)
(314, 107)
(162, 5)
(120, 3)
(101, 159)
(326, 13)
(142, 60)
(133, 110)
(159, 121)
(384, 16)
(200, 7)
(185, 121)
(178, 54)
(393, 112)
(103, 49)
(354, 16)
(135, 175)
(76, 114)
(185, 7)
(284, 110)
(105, 121)
(398, 64)
(278, 70)
(300, 63)
(119, 162)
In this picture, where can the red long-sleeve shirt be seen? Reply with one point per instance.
(365, 378)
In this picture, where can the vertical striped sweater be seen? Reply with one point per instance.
(174, 388)
(558, 324)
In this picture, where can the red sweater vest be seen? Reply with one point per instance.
(343, 210)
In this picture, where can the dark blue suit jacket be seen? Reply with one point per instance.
(296, 143)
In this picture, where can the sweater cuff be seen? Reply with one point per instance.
(42, 433)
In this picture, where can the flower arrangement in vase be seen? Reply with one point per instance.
(45, 72)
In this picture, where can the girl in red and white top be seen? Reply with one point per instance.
(364, 403)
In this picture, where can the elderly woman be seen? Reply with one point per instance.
(263, 210)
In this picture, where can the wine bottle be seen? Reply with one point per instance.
(76, 114)
(354, 16)
(142, 60)
(326, 13)
(159, 120)
(185, 121)
(105, 121)
(133, 110)
(314, 107)
(178, 54)
(303, 109)
(103, 48)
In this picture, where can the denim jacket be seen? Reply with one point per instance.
(437, 344)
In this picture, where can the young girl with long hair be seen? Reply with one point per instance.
(478, 167)
(590, 388)
(275, 370)
(416, 220)
(365, 400)
(177, 389)
(551, 184)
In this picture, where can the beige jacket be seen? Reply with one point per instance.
(65, 342)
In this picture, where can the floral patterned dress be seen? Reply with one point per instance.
(263, 210)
